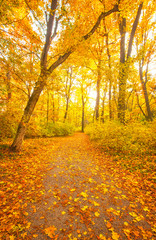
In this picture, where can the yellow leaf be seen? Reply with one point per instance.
(76, 199)
(35, 235)
(12, 237)
(115, 236)
(146, 209)
(126, 223)
(72, 190)
(28, 225)
(91, 180)
(84, 194)
(102, 237)
(63, 212)
(84, 208)
(71, 209)
(96, 204)
(97, 214)
(23, 235)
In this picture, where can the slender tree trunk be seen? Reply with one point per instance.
(47, 106)
(66, 111)
(98, 90)
(110, 77)
(103, 104)
(122, 71)
(144, 88)
(53, 108)
(83, 112)
(8, 78)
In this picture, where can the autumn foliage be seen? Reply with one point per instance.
(71, 66)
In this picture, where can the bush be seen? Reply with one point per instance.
(8, 125)
(49, 130)
(131, 139)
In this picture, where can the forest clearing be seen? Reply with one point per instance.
(67, 188)
(77, 119)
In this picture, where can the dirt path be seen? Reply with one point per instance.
(83, 200)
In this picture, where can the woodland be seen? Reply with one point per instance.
(78, 74)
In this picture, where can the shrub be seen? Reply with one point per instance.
(131, 139)
(8, 125)
(50, 130)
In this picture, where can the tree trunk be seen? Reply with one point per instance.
(98, 90)
(83, 113)
(122, 77)
(66, 111)
(103, 104)
(124, 63)
(47, 106)
(53, 108)
(17, 143)
(144, 88)
(110, 77)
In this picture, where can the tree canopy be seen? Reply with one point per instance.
(76, 61)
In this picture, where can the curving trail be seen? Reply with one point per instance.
(84, 197)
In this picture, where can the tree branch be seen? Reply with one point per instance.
(62, 58)
(48, 35)
(135, 24)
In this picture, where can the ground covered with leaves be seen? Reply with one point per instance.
(67, 188)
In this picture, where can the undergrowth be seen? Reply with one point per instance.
(133, 146)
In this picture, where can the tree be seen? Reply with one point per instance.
(125, 60)
(45, 70)
(145, 47)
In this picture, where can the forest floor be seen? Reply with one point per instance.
(67, 188)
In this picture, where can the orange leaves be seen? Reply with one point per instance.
(77, 200)
(50, 231)
(22, 181)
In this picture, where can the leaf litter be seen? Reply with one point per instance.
(66, 188)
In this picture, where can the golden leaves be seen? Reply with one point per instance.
(83, 194)
(97, 214)
(50, 231)
(84, 201)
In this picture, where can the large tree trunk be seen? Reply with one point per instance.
(17, 143)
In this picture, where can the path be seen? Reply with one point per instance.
(82, 200)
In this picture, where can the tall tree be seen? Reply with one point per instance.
(124, 60)
(46, 70)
